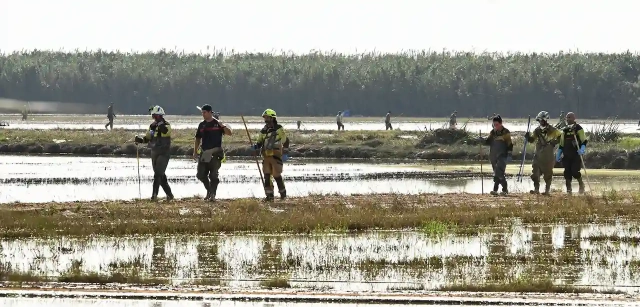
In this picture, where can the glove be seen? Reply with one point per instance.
(138, 139)
(509, 157)
(285, 157)
(527, 135)
(558, 155)
(582, 150)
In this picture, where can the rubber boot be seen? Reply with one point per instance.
(213, 189)
(547, 189)
(281, 188)
(505, 190)
(269, 197)
(207, 187)
(495, 188)
(156, 188)
(568, 184)
(536, 188)
(581, 185)
(166, 188)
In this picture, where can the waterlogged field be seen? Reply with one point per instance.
(55, 178)
(98, 122)
(546, 258)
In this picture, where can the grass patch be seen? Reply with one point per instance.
(308, 214)
(522, 286)
(276, 282)
(437, 228)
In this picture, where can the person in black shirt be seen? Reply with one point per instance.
(209, 140)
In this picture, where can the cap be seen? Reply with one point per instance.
(206, 107)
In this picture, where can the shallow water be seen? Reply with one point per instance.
(254, 122)
(55, 178)
(374, 261)
(59, 302)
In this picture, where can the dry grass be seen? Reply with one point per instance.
(308, 214)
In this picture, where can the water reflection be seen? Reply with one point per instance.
(375, 261)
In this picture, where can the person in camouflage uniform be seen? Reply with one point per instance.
(545, 137)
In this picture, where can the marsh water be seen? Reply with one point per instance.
(73, 302)
(255, 122)
(578, 255)
(59, 178)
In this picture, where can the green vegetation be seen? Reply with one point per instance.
(307, 214)
(420, 83)
(437, 144)
(541, 286)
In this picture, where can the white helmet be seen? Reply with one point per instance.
(543, 115)
(156, 110)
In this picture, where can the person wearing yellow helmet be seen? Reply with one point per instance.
(270, 142)
(159, 139)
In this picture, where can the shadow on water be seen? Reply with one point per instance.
(44, 179)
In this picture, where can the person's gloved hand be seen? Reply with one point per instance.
(582, 149)
(559, 155)
(138, 139)
(509, 157)
(527, 135)
(285, 157)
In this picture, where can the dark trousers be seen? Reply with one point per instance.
(208, 174)
(109, 125)
(499, 165)
(159, 162)
(340, 125)
(388, 126)
(572, 166)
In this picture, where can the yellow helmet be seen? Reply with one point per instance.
(269, 112)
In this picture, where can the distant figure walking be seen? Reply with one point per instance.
(110, 116)
(25, 112)
(299, 123)
(453, 120)
(339, 121)
(387, 121)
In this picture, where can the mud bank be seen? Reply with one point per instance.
(439, 144)
(306, 214)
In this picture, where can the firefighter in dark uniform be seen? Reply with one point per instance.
(572, 145)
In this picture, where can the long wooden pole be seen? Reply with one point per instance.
(254, 153)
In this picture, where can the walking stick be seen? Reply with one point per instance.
(254, 153)
(139, 184)
(524, 153)
(481, 162)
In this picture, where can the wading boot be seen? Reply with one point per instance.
(568, 184)
(283, 194)
(170, 197)
(208, 196)
(505, 190)
(156, 188)
(536, 188)
(547, 189)
(495, 189)
(164, 182)
(269, 197)
(213, 189)
(581, 186)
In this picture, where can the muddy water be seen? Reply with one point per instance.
(375, 261)
(68, 302)
(54, 178)
(191, 122)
